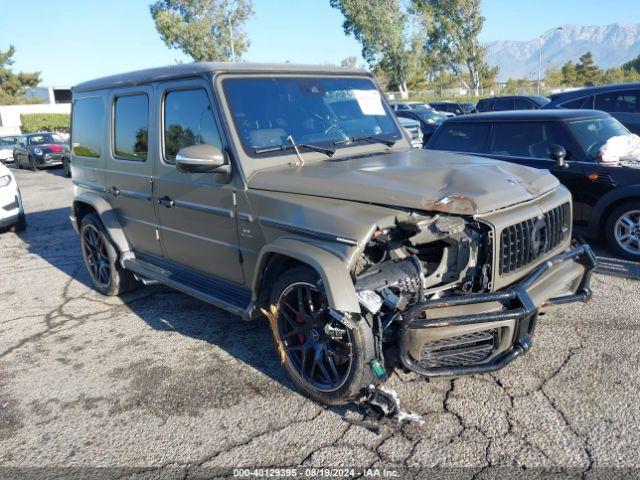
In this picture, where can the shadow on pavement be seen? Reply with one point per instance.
(608, 264)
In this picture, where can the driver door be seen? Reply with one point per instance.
(196, 211)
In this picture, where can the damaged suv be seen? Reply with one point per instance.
(293, 193)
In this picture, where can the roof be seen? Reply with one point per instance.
(529, 115)
(205, 68)
(583, 92)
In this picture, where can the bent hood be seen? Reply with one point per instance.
(417, 179)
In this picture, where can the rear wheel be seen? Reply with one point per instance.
(101, 259)
(622, 230)
(326, 360)
(66, 168)
(16, 162)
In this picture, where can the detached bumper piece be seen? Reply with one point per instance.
(473, 349)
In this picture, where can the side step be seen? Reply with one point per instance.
(229, 297)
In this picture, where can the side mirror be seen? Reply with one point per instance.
(559, 154)
(203, 158)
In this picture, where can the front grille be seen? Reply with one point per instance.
(525, 242)
(458, 351)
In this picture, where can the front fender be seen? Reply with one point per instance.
(597, 216)
(341, 293)
(107, 215)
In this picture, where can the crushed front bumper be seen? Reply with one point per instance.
(481, 333)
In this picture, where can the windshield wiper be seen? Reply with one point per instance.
(303, 146)
(370, 139)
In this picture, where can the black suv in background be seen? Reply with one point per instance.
(514, 102)
(621, 101)
(565, 142)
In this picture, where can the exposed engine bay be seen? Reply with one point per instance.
(422, 257)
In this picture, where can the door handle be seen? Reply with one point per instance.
(166, 201)
(115, 191)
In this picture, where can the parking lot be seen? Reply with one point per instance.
(160, 381)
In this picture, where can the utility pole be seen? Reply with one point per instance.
(542, 37)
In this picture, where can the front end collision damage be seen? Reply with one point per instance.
(426, 282)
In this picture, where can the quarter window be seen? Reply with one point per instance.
(463, 138)
(188, 120)
(131, 127)
(88, 127)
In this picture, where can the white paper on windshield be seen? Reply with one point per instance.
(369, 102)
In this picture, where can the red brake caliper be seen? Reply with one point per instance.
(300, 320)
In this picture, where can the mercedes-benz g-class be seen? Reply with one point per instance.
(293, 193)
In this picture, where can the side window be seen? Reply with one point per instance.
(88, 127)
(521, 139)
(500, 104)
(131, 127)
(618, 102)
(188, 120)
(524, 104)
(462, 138)
(484, 105)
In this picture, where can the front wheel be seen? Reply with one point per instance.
(101, 259)
(327, 361)
(33, 164)
(622, 230)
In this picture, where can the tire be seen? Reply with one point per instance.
(345, 370)
(21, 224)
(617, 229)
(66, 168)
(16, 162)
(33, 164)
(101, 259)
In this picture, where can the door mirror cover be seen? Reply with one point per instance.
(558, 153)
(202, 158)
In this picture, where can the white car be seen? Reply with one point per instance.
(11, 209)
(7, 144)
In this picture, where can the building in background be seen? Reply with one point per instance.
(52, 100)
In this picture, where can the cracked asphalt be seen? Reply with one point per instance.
(164, 383)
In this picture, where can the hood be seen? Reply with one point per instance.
(417, 179)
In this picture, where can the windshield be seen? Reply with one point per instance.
(468, 107)
(318, 111)
(419, 106)
(429, 116)
(45, 138)
(592, 134)
(4, 141)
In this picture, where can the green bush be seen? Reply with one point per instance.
(44, 122)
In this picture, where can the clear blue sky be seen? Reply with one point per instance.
(74, 40)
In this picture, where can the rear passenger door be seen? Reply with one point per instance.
(196, 211)
(129, 169)
(623, 105)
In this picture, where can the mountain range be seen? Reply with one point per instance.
(611, 46)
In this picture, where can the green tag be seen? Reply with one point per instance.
(377, 368)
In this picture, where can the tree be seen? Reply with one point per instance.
(453, 29)
(614, 75)
(349, 62)
(553, 77)
(206, 30)
(389, 40)
(569, 76)
(632, 75)
(587, 73)
(13, 85)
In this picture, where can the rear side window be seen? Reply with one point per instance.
(618, 102)
(501, 104)
(188, 120)
(131, 127)
(484, 105)
(523, 104)
(471, 138)
(522, 139)
(88, 127)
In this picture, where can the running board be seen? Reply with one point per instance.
(232, 300)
